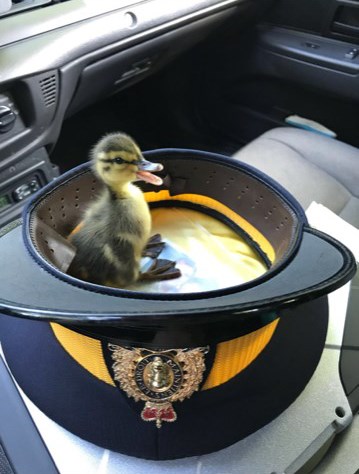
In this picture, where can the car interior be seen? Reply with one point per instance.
(272, 83)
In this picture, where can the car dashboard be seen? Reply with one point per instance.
(56, 59)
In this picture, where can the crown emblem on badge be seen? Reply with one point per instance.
(159, 378)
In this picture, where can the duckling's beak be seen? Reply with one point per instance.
(144, 172)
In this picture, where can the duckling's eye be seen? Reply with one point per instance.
(118, 161)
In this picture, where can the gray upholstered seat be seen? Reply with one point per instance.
(311, 166)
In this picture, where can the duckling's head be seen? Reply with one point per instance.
(117, 160)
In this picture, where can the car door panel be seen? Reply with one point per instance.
(303, 59)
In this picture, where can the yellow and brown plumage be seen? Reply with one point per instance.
(116, 227)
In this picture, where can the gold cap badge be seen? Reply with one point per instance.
(158, 378)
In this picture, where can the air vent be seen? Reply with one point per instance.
(48, 87)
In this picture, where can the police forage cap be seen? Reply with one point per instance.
(173, 400)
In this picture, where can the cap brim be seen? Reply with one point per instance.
(320, 265)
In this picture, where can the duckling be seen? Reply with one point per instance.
(116, 227)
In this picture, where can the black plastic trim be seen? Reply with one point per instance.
(19, 437)
(349, 357)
